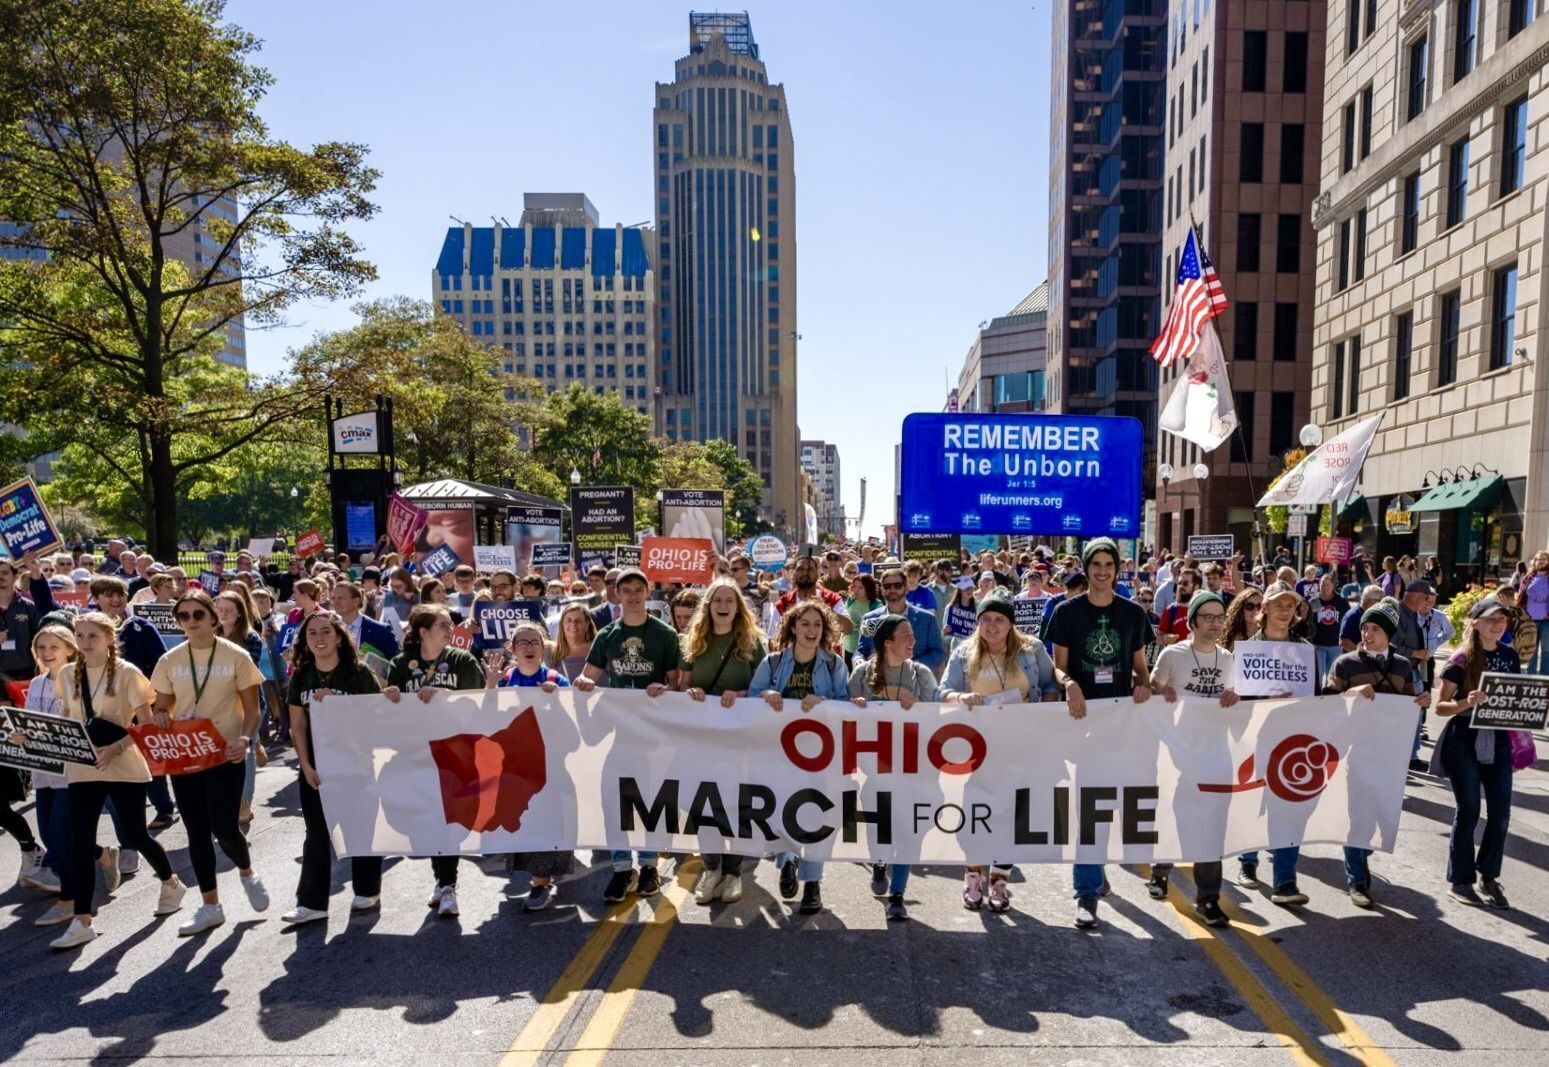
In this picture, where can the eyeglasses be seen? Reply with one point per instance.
(1252, 607)
(197, 615)
(892, 585)
(527, 642)
(1209, 616)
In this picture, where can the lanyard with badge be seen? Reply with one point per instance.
(193, 674)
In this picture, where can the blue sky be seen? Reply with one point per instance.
(921, 151)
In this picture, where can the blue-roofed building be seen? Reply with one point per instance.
(725, 183)
(565, 299)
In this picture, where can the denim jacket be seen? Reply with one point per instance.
(829, 679)
(1034, 661)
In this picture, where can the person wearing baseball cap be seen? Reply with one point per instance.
(635, 651)
(1476, 761)
(1371, 669)
(1099, 641)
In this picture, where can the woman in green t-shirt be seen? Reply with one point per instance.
(721, 648)
(326, 663)
(429, 662)
(863, 598)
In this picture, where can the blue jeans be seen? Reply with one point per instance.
(1357, 872)
(1087, 879)
(54, 828)
(1541, 655)
(1282, 862)
(1327, 654)
(625, 860)
(1470, 778)
(807, 870)
(897, 877)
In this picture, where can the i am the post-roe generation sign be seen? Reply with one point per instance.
(1076, 475)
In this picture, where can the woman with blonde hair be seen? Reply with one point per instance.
(107, 694)
(573, 642)
(722, 647)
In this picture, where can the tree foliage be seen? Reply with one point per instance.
(127, 129)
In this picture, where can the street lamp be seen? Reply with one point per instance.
(1311, 436)
(575, 476)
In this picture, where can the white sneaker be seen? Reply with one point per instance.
(361, 903)
(55, 915)
(257, 895)
(709, 889)
(731, 888)
(77, 935)
(32, 866)
(42, 880)
(128, 861)
(108, 861)
(171, 897)
(299, 915)
(435, 896)
(208, 917)
(447, 909)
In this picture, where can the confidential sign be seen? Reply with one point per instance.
(1512, 702)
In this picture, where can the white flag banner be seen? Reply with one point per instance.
(1200, 408)
(1329, 473)
(519, 770)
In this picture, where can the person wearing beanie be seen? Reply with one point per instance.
(1099, 641)
(1198, 667)
(997, 664)
(1374, 668)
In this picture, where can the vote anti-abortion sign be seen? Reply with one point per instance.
(1075, 475)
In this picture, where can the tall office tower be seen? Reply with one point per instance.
(726, 257)
(1105, 208)
(1244, 121)
(820, 460)
(567, 300)
(1431, 229)
(1006, 368)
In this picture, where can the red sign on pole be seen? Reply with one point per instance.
(188, 745)
(1333, 549)
(309, 544)
(689, 560)
(404, 523)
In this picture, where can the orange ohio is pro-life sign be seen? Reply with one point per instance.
(188, 745)
(689, 560)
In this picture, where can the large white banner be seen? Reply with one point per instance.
(517, 770)
(1328, 473)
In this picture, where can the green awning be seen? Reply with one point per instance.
(1355, 508)
(1469, 493)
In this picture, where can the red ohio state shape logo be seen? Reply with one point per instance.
(487, 783)
(1299, 769)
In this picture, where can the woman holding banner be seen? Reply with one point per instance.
(803, 670)
(1476, 761)
(107, 693)
(208, 677)
(996, 665)
(327, 663)
(721, 649)
(893, 676)
(429, 662)
(52, 647)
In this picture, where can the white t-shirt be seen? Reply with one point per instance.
(1200, 674)
(41, 697)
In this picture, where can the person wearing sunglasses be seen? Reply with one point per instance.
(208, 677)
(1242, 617)
(1198, 667)
(929, 648)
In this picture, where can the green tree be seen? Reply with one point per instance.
(127, 127)
(745, 489)
(606, 441)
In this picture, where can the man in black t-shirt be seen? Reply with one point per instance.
(1099, 642)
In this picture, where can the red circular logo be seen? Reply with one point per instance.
(1300, 767)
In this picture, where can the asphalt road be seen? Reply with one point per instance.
(1417, 980)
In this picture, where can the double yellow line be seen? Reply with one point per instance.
(1303, 1049)
(532, 1044)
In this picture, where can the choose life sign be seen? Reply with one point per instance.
(1076, 475)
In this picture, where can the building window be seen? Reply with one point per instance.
(1457, 183)
(1343, 282)
(1337, 383)
(1352, 26)
(1513, 145)
(1409, 224)
(1355, 376)
(1419, 63)
(1248, 238)
(1295, 73)
(1288, 244)
(1245, 331)
(1251, 165)
(1503, 317)
(1255, 58)
(1366, 122)
(1347, 146)
(1403, 353)
(1282, 422)
(1450, 329)
(1285, 332)
(1519, 15)
(1465, 18)
(1360, 244)
(1293, 150)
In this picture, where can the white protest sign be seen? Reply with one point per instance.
(1276, 669)
(487, 559)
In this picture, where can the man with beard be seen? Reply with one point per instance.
(929, 648)
(804, 576)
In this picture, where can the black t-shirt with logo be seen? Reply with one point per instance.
(1101, 643)
(309, 679)
(1326, 615)
(799, 685)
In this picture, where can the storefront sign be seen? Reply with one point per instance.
(1398, 519)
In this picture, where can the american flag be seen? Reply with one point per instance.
(1198, 299)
